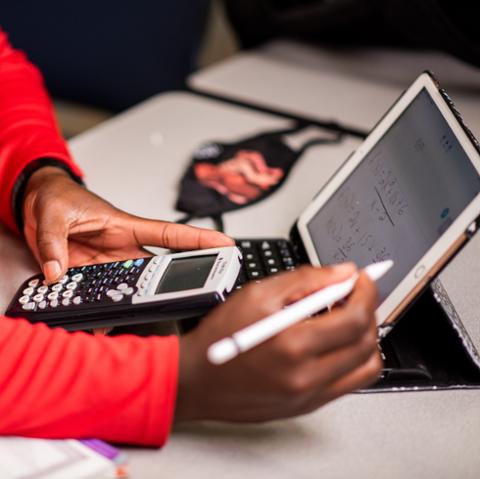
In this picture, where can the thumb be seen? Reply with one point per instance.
(177, 236)
(52, 245)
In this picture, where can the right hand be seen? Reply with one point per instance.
(293, 373)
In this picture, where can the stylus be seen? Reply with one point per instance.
(251, 336)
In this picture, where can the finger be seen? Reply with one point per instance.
(344, 325)
(328, 368)
(175, 236)
(52, 244)
(361, 377)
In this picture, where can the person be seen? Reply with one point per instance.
(129, 389)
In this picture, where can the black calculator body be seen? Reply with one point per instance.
(136, 291)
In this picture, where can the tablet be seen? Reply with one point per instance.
(410, 192)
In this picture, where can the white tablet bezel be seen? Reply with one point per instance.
(446, 246)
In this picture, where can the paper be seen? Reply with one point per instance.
(22, 458)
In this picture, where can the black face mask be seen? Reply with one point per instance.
(224, 177)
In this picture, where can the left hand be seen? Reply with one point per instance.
(67, 225)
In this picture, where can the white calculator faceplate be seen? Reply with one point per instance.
(221, 277)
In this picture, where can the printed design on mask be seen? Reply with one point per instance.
(241, 179)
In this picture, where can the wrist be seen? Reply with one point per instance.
(39, 177)
(33, 176)
(189, 398)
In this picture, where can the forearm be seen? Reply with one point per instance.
(59, 385)
(28, 129)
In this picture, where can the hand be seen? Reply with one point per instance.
(293, 373)
(66, 225)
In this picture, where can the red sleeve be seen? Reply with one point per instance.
(55, 384)
(27, 124)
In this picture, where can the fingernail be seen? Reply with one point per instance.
(52, 270)
(345, 268)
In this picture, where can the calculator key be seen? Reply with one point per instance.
(67, 294)
(148, 276)
(54, 303)
(72, 285)
(57, 287)
(77, 300)
(128, 264)
(33, 283)
(42, 304)
(273, 270)
(268, 253)
(24, 299)
(77, 277)
(117, 297)
(266, 245)
(38, 298)
(271, 262)
(28, 307)
(122, 286)
(28, 291)
(152, 268)
(139, 262)
(53, 295)
(128, 291)
(255, 274)
(66, 301)
(288, 261)
(285, 253)
(249, 256)
(252, 265)
(112, 292)
(156, 260)
(246, 244)
(64, 280)
(290, 268)
(42, 289)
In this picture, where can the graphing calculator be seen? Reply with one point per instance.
(174, 286)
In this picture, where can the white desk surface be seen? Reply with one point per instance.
(136, 161)
(352, 86)
(392, 435)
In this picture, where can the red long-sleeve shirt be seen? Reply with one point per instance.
(54, 384)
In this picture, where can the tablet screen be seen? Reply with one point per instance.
(399, 200)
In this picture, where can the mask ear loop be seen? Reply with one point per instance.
(321, 141)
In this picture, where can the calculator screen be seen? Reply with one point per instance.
(186, 273)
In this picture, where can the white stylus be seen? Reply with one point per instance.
(249, 337)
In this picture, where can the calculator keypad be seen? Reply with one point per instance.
(264, 258)
(85, 285)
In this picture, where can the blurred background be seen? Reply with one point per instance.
(100, 57)
(99, 67)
